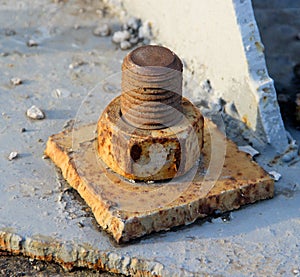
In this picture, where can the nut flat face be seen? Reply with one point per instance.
(151, 155)
(130, 210)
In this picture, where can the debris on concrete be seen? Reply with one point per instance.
(102, 30)
(23, 130)
(35, 113)
(133, 32)
(120, 36)
(32, 43)
(16, 81)
(76, 64)
(145, 32)
(124, 45)
(275, 175)
(249, 149)
(61, 93)
(13, 155)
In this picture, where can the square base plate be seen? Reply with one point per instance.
(223, 180)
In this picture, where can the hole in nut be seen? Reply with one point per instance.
(135, 152)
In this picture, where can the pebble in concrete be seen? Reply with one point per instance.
(102, 31)
(32, 43)
(133, 31)
(16, 81)
(120, 36)
(13, 155)
(35, 113)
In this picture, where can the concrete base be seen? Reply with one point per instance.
(42, 217)
(223, 180)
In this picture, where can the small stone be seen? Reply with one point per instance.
(80, 224)
(124, 45)
(134, 40)
(249, 149)
(35, 113)
(120, 36)
(76, 26)
(145, 30)
(296, 271)
(45, 157)
(23, 130)
(61, 93)
(102, 31)
(32, 43)
(275, 175)
(133, 23)
(13, 155)
(76, 64)
(16, 81)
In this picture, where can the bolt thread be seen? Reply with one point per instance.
(151, 88)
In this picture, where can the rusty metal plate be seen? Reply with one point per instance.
(223, 180)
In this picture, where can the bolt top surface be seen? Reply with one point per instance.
(146, 58)
(152, 56)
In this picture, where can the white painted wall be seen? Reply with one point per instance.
(219, 41)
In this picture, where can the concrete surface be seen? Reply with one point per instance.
(219, 41)
(41, 216)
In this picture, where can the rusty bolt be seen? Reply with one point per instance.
(150, 132)
(151, 87)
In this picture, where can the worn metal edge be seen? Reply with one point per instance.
(162, 219)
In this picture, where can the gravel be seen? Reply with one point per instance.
(15, 266)
(35, 113)
(13, 155)
(102, 31)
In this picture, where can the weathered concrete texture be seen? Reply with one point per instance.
(40, 214)
(220, 42)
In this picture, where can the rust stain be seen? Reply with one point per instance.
(118, 204)
(246, 120)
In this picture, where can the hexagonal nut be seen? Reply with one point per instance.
(150, 154)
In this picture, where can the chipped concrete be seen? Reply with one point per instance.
(40, 216)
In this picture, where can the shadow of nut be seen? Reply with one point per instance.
(146, 155)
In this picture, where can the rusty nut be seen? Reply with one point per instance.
(141, 154)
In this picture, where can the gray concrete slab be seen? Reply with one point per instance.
(40, 216)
